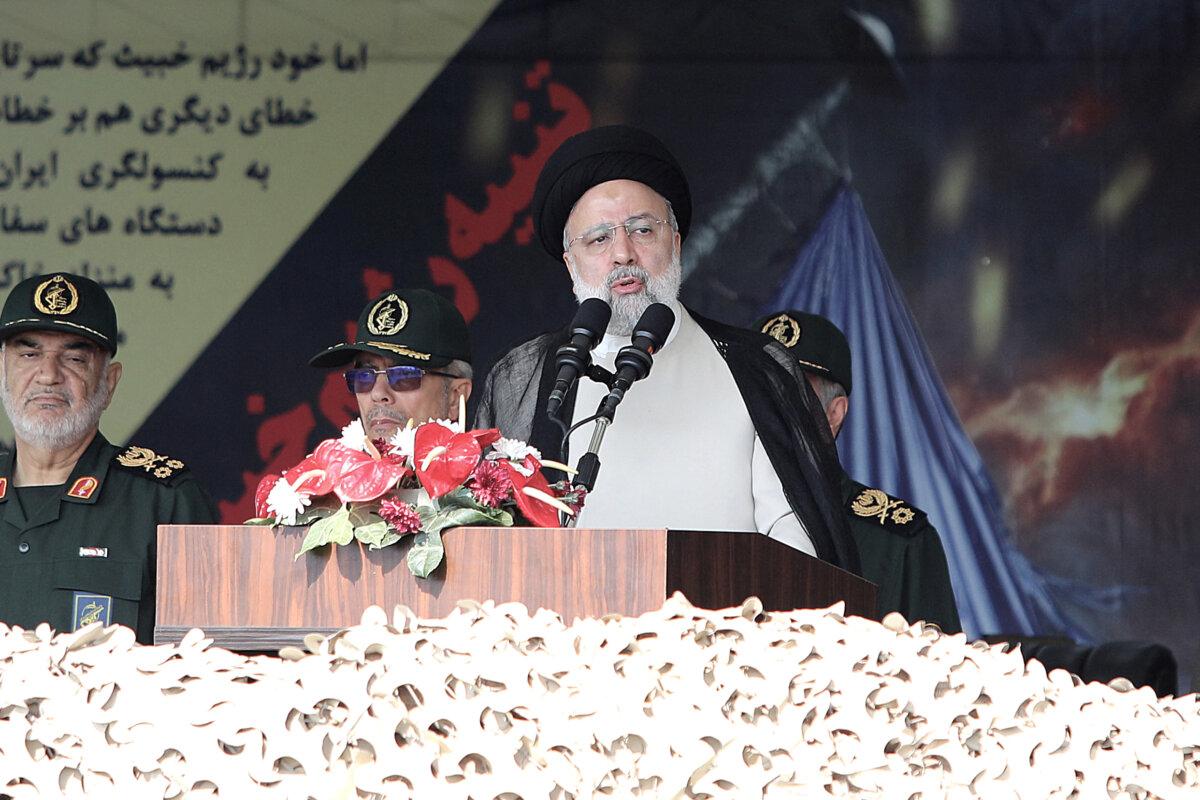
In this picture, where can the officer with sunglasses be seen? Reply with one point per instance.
(410, 360)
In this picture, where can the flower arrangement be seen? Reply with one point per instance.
(421, 481)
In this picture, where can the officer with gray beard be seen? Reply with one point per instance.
(78, 516)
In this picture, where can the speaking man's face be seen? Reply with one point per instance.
(623, 250)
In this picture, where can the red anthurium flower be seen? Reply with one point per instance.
(310, 477)
(444, 459)
(536, 511)
(486, 436)
(334, 457)
(356, 477)
(260, 495)
(363, 482)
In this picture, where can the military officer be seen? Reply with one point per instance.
(410, 361)
(78, 516)
(898, 547)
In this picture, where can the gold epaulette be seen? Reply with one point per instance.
(145, 461)
(889, 512)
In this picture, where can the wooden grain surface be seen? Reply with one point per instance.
(244, 586)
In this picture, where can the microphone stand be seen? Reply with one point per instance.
(588, 465)
(589, 462)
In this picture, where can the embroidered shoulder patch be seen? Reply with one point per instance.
(145, 461)
(890, 512)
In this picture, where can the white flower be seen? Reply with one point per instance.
(514, 450)
(285, 503)
(403, 441)
(354, 437)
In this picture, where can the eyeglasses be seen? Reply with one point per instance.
(361, 380)
(599, 239)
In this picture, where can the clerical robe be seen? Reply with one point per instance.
(724, 443)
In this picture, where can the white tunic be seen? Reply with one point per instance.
(682, 451)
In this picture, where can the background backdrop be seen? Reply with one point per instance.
(997, 200)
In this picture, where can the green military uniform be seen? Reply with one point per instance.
(901, 552)
(897, 547)
(87, 550)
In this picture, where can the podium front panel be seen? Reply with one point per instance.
(247, 589)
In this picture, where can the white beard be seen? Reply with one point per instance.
(627, 309)
(58, 434)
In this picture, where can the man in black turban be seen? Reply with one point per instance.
(724, 433)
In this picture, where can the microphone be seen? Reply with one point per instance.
(634, 360)
(574, 357)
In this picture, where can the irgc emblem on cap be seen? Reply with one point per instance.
(817, 344)
(784, 329)
(57, 296)
(388, 316)
(64, 303)
(409, 326)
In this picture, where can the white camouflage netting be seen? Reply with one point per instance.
(491, 702)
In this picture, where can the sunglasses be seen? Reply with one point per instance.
(361, 380)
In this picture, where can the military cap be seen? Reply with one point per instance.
(411, 326)
(610, 153)
(817, 343)
(61, 302)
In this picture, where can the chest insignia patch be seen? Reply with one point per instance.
(93, 552)
(90, 608)
(84, 487)
(3, 487)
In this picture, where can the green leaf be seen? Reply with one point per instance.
(341, 528)
(313, 514)
(363, 515)
(459, 498)
(314, 538)
(427, 515)
(371, 533)
(452, 518)
(260, 521)
(330, 529)
(389, 539)
(426, 553)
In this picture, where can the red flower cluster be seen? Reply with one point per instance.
(490, 484)
(400, 516)
(443, 461)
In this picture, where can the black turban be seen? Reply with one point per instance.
(587, 159)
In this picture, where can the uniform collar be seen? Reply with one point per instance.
(86, 480)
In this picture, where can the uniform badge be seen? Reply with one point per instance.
(93, 552)
(57, 296)
(388, 316)
(3, 487)
(890, 512)
(783, 329)
(83, 488)
(400, 350)
(146, 460)
(90, 608)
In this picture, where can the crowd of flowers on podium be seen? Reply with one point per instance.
(422, 480)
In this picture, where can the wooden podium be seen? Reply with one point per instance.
(244, 586)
